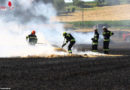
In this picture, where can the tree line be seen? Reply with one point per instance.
(112, 2)
(60, 4)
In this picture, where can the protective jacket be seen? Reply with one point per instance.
(69, 37)
(95, 38)
(32, 39)
(107, 35)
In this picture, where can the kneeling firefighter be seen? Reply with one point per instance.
(69, 38)
(32, 38)
(95, 41)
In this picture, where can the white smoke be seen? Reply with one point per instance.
(26, 16)
(17, 23)
(26, 4)
(83, 38)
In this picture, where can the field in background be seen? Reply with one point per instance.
(107, 13)
(117, 17)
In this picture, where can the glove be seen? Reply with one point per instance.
(112, 33)
(27, 37)
(63, 45)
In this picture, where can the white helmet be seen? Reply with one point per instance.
(104, 27)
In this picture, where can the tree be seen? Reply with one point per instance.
(100, 2)
(112, 2)
(78, 3)
(59, 4)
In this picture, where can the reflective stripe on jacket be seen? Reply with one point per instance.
(69, 37)
(107, 35)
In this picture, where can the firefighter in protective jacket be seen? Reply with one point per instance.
(95, 41)
(69, 38)
(32, 38)
(106, 35)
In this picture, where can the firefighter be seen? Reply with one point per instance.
(32, 38)
(106, 35)
(95, 41)
(69, 38)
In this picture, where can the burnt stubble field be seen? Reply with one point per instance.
(67, 73)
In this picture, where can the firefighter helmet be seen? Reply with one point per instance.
(64, 33)
(104, 27)
(33, 32)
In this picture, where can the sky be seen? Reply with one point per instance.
(72, 0)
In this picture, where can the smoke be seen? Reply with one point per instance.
(83, 38)
(17, 23)
(2, 2)
(28, 15)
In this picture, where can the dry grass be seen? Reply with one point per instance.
(72, 55)
(119, 12)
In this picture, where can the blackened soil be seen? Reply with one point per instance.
(66, 73)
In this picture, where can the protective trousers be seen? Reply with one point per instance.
(94, 47)
(106, 47)
(70, 46)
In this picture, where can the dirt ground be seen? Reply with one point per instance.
(111, 13)
(67, 73)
